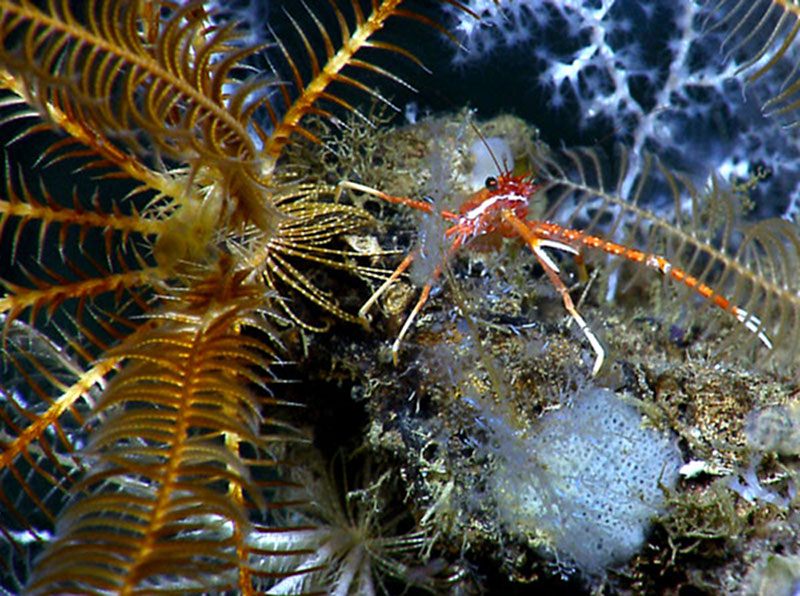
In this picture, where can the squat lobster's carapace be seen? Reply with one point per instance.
(500, 209)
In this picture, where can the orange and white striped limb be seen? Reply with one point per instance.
(362, 312)
(661, 264)
(413, 203)
(536, 244)
(423, 298)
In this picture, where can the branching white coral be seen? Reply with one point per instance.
(651, 73)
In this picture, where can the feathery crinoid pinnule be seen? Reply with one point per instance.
(139, 435)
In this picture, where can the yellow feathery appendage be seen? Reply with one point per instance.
(762, 33)
(305, 232)
(316, 88)
(164, 505)
(153, 84)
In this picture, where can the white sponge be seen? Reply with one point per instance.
(587, 482)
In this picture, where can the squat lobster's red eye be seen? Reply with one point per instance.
(491, 183)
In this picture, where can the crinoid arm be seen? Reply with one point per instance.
(170, 484)
(148, 77)
(762, 36)
(317, 93)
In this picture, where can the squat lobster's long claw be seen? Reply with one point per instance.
(551, 269)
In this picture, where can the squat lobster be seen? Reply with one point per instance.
(500, 209)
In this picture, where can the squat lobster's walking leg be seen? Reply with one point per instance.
(551, 269)
(423, 298)
(362, 312)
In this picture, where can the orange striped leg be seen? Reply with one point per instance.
(426, 291)
(536, 244)
(421, 205)
(660, 264)
(413, 203)
(751, 322)
(552, 274)
(362, 312)
(423, 298)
